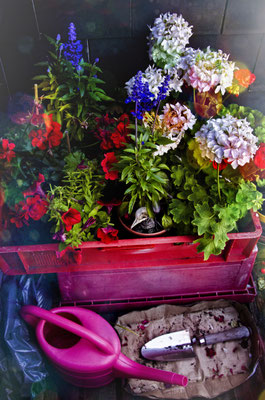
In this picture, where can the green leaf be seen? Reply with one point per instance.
(42, 64)
(79, 109)
(132, 203)
(39, 77)
(163, 140)
(167, 222)
(181, 211)
(203, 218)
(207, 246)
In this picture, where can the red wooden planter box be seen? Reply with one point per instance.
(132, 254)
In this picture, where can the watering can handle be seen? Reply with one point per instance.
(30, 313)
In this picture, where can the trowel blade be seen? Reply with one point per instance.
(169, 347)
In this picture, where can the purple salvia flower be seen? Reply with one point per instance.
(73, 48)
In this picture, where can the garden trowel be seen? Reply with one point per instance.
(179, 345)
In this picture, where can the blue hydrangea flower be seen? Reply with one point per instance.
(73, 48)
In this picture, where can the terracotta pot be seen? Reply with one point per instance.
(159, 233)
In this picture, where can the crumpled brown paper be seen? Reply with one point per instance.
(208, 376)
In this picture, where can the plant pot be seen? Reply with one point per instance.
(141, 234)
(126, 225)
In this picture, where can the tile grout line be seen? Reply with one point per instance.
(5, 77)
(223, 21)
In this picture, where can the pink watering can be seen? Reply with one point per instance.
(85, 348)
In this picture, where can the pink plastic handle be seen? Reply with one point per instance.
(126, 367)
(28, 311)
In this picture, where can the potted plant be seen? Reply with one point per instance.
(178, 159)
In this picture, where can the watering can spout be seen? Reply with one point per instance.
(125, 367)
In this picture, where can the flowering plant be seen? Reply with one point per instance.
(180, 155)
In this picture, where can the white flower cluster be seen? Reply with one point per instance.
(209, 69)
(175, 120)
(155, 78)
(168, 38)
(227, 138)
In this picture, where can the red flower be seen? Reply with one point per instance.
(36, 188)
(105, 137)
(19, 215)
(120, 136)
(244, 77)
(107, 235)
(70, 254)
(109, 204)
(38, 139)
(35, 207)
(53, 132)
(259, 158)
(107, 165)
(7, 150)
(36, 119)
(70, 218)
(222, 165)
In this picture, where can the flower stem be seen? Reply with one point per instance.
(136, 126)
(157, 108)
(218, 181)
(68, 142)
(194, 97)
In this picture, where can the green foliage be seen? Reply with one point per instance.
(196, 204)
(81, 189)
(144, 175)
(73, 96)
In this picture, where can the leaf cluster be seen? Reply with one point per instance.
(80, 189)
(196, 204)
(73, 96)
(144, 175)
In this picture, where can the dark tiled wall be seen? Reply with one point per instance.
(117, 31)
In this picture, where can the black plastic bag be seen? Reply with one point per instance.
(22, 367)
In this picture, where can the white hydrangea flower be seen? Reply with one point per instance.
(168, 38)
(209, 69)
(175, 120)
(153, 76)
(227, 138)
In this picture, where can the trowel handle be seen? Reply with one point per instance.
(31, 313)
(232, 334)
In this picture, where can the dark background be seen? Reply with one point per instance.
(117, 31)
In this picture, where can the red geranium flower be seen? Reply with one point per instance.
(222, 165)
(36, 119)
(36, 188)
(259, 158)
(38, 139)
(108, 234)
(105, 137)
(7, 150)
(18, 215)
(244, 77)
(53, 132)
(35, 207)
(107, 165)
(70, 218)
(120, 135)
